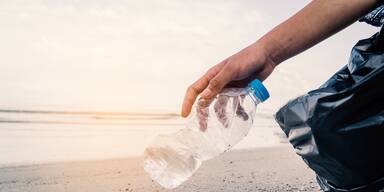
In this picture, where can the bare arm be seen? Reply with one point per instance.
(317, 21)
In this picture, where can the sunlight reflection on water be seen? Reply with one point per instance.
(29, 136)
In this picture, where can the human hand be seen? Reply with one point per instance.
(236, 71)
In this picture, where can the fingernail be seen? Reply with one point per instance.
(206, 93)
(184, 113)
(202, 102)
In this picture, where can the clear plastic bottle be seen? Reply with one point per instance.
(172, 159)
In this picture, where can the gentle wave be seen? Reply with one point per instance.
(98, 113)
(35, 136)
(87, 117)
(94, 117)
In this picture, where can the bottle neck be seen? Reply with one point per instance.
(253, 96)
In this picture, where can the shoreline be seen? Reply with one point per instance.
(262, 169)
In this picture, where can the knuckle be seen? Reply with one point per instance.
(233, 71)
(214, 84)
(211, 73)
(211, 70)
(191, 89)
(230, 65)
(226, 61)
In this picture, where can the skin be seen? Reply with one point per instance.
(317, 21)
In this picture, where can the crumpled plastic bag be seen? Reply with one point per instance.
(338, 129)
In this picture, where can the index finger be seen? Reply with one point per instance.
(196, 88)
(192, 92)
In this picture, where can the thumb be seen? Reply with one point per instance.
(217, 83)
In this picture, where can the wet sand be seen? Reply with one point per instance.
(264, 169)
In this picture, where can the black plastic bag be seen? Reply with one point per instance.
(338, 129)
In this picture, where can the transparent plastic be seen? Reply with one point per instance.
(172, 159)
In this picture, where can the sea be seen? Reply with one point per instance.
(45, 136)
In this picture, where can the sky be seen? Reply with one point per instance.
(141, 55)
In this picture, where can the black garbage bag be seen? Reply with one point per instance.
(338, 129)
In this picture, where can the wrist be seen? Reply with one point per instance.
(270, 51)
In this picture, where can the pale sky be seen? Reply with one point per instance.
(141, 55)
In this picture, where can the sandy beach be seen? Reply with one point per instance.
(264, 169)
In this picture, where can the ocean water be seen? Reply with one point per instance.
(41, 136)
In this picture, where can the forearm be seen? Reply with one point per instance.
(314, 23)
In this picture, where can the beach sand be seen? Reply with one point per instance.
(264, 169)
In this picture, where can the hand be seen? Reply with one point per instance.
(236, 71)
(221, 105)
(288, 39)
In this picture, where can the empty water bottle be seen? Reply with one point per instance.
(172, 159)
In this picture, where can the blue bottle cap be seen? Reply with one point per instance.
(259, 90)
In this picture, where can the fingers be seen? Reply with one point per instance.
(217, 83)
(196, 88)
(204, 102)
(191, 94)
(240, 111)
(202, 117)
(220, 108)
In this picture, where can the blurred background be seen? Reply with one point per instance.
(98, 79)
